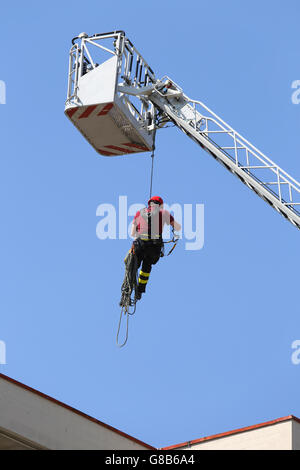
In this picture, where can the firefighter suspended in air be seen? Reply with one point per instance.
(147, 229)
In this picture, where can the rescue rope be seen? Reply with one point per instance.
(151, 179)
(124, 311)
(128, 287)
(152, 162)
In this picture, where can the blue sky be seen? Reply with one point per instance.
(209, 348)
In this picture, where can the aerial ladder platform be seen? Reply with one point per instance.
(117, 103)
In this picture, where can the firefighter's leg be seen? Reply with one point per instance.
(152, 256)
(144, 275)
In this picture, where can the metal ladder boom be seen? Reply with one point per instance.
(250, 165)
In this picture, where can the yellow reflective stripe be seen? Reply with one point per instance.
(141, 281)
(144, 274)
(145, 238)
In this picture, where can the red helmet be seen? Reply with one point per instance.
(156, 199)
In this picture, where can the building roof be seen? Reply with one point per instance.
(70, 409)
(231, 433)
(33, 420)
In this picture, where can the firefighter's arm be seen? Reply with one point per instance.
(176, 226)
(133, 229)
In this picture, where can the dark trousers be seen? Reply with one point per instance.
(148, 254)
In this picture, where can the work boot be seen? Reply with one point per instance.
(138, 295)
(141, 289)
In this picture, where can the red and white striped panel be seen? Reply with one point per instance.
(83, 112)
(86, 118)
(122, 149)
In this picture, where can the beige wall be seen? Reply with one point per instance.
(277, 436)
(28, 419)
(48, 424)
